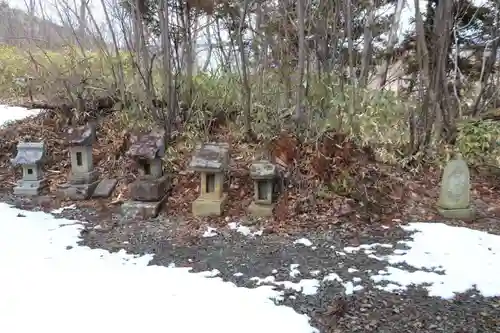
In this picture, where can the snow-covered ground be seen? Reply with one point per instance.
(49, 283)
(12, 113)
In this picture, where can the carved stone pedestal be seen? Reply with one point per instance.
(142, 209)
(77, 191)
(30, 187)
(150, 189)
(204, 206)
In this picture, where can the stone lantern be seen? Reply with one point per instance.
(211, 160)
(83, 179)
(149, 191)
(263, 173)
(30, 156)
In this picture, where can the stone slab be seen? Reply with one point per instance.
(260, 210)
(143, 210)
(464, 214)
(30, 188)
(209, 207)
(150, 190)
(105, 188)
(77, 192)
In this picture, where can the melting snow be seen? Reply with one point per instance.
(13, 113)
(49, 283)
(315, 272)
(61, 209)
(303, 241)
(244, 230)
(210, 232)
(304, 286)
(448, 260)
(294, 270)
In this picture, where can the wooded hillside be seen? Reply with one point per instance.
(18, 28)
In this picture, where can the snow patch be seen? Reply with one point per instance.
(303, 241)
(61, 209)
(304, 286)
(448, 260)
(51, 281)
(244, 230)
(210, 232)
(294, 270)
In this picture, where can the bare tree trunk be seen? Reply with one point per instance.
(367, 45)
(393, 39)
(82, 18)
(300, 92)
(247, 91)
(489, 59)
(168, 86)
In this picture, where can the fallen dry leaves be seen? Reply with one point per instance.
(359, 190)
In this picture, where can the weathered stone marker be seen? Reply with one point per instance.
(83, 179)
(149, 191)
(30, 156)
(211, 160)
(454, 198)
(263, 173)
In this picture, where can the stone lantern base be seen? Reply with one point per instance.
(142, 209)
(207, 206)
(30, 187)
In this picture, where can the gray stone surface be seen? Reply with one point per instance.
(464, 214)
(29, 153)
(150, 189)
(30, 187)
(77, 192)
(147, 146)
(83, 136)
(211, 157)
(141, 210)
(263, 173)
(83, 177)
(81, 160)
(105, 188)
(32, 172)
(454, 197)
(455, 185)
(30, 156)
(262, 169)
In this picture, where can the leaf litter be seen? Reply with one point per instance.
(323, 184)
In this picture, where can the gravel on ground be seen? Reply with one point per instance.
(248, 260)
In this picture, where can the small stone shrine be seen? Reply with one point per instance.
(83, 179)
(263, 173)
(454, 198)
(149, 191)
(30, 156)
(211, 160)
